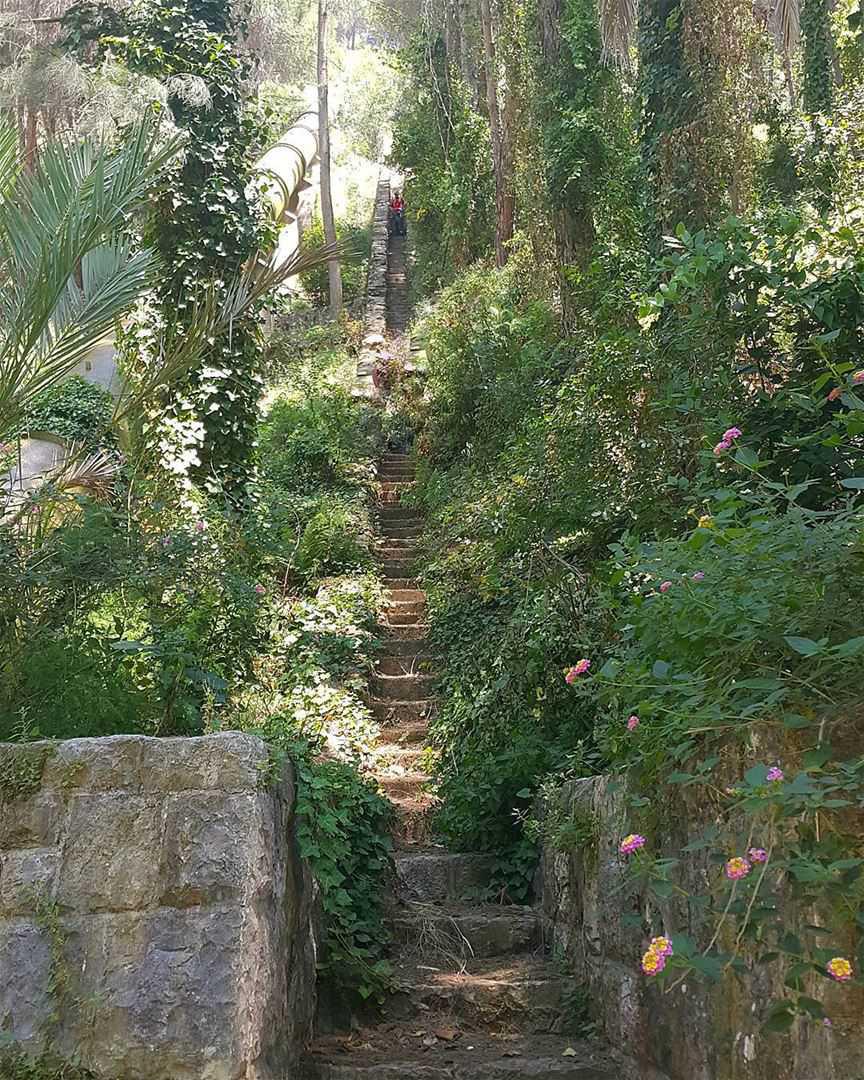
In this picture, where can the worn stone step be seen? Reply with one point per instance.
(405, 596)
(404, 785)
(403, 583)
(403, 617)
(398, 543)
(402, 687)
(412, 733)
(431, 1050)
(437, 877)
(397, 531)
(393, 551)
(393, 636)
(412, 664)
(479, 931)
(406, 514)
(396, 568)
(391, 714)
(413, 607)
(395, 759)
(520, 992)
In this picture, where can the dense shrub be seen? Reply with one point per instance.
(76, 410)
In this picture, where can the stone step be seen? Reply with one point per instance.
(519, 992)
(392, 635)
(403, 617)
(401, 532)
(401, 687)
(406, 514)
(391, 714)
(403, 583)
(412, 664)
(405, 596)
(396, 568)
(400, 543)
(413, 816)
(413, 733)
(416, 608)
(394, 759)
(395, 551)
(404, 785)
(477, 931)
(435, 1050)
(441, 876)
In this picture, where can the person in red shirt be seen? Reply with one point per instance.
(397, 215)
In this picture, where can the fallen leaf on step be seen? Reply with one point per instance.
(448, 1034)
(569, 1052)
(512, 1053)
(430, 1041)
(419, 1034)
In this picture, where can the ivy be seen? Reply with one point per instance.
(206, 226)
(343, 831)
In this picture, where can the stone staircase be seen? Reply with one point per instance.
(476, 998)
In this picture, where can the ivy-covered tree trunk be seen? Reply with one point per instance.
(570, 77)
(501, 127)
(696, 87)
(818, 82)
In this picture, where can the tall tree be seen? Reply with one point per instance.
(499, 102)
(334, 271)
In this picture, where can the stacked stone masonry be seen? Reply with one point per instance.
(700, 1031)
(155, 920)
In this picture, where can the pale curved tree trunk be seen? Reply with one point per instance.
(334, 271)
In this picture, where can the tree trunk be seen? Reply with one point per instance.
(31, 146)
(334, 271)
(572, 218)
(500, 124)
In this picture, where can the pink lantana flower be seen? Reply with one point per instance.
(732, 434)
(699, 575)
(661, 945)
(653, 962)
(579, 668)
(260, 590)
(200, 526)
(835, 393)
(631, 843)
(737, 868)
(839, 969)
(665, 586)
(758, 854)
(721, 446)
(858, 378)
(774, 774)
(632, 723)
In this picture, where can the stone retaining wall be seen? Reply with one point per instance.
(700, 1031)
(375, 323)
(155, 920)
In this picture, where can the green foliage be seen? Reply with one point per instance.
(205, 228)
(75, 410)
(16, 1065)
(343, 831)
(442, 145)
(817, 85)
(356, 240)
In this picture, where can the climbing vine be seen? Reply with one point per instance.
(206, 226)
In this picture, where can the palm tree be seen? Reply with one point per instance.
(68, 265)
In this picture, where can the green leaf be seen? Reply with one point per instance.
(660, 669)
(804, 646)
(856, 483)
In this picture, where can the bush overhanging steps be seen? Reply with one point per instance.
(475, 995)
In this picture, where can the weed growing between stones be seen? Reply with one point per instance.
(20, 771)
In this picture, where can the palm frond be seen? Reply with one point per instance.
(63, 221)
(617, 30)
